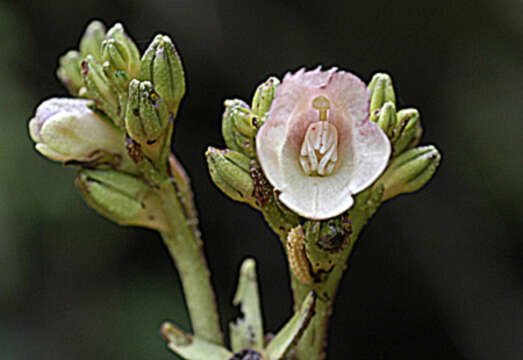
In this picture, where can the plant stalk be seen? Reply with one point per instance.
(314, 340)
(185, 247)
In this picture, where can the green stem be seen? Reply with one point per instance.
(314, 340)
(185, 247)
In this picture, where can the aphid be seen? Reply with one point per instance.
(297, 256)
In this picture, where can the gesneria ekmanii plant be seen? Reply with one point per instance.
(316, 154)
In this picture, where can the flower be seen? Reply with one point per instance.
(67, 130)
(317, 146)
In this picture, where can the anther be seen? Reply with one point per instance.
(322, 104)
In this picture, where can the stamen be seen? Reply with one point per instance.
(319, 150)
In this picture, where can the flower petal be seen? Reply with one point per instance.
(363, 148)
(66, 129)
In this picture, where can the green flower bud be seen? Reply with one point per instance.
(69, 71)
(147, 115)
(387, 118)
(100, 90)
(162, 66)
(229, 170)
(262, 100)
(381, 91)
(119, 81)
(122, 198)
(243, 120)
(407, 131)
(91, 41)
(239, 127)
(115, 55)
(121, 52)
(67, 130)
(409, 171)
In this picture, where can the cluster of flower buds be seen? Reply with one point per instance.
(410, 168)
(306, 147)
(402, 127)
(122, 123)
(236, 170)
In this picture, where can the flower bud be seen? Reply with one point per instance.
(100, 90)
(262, 100)
(243, 120)
(147, 115)
(230, 172)
(387, 118)
(121, 52)
(381, 91)
(239, 127)
(91, 41)
(69, 71)
(115, 63)
(67, 130)
(162, 66)
(122, 198)
(407, 131)
(409, 171)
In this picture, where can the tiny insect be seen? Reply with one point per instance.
(297, 256)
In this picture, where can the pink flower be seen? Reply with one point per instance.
(317, 146)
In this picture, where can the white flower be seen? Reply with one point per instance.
(67, 130)
(317, 146)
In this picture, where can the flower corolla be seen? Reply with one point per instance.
(317, 146)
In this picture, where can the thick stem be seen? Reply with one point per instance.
(313, 342)
(185, 248)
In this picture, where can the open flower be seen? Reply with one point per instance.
(67, 130)
(317, 146)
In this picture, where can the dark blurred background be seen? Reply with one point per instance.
(436, 275)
